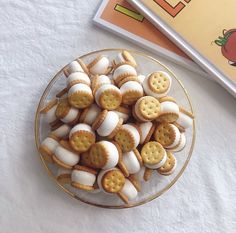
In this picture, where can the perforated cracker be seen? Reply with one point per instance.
(149, 108)
(80, 99)
(168, 166)
(131, 96)
(152, 153)
(113, 181)
(125, 139)
(110, 99)
(85, 159)
(158, 82)
(128, 57)
(169, 117)
(63, 108)
(82, 140)
(165, 134)
(98, 155)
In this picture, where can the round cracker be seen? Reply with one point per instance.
(81, 140)
(110, 99)
(149, 108)
(129, 58)
(168, 117)
(165, 134)
(98, 155)
(80, 99)
(63, 108)
(131, 96)
(152, 153)
(113, 181)
(158, 82)
(125, 139)
(169, 165)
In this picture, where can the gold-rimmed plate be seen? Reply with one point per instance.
(158, 184)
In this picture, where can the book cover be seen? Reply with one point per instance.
(205, 30)
(121, 18)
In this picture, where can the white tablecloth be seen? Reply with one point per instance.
(37, 38)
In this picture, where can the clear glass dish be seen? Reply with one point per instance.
(158, 184)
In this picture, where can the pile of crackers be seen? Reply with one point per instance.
(111, 127)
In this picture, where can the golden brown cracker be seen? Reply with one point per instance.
(165, 134)
(113, 181)
(82, 140)
(81, 99)
(152, 153)
(158, 82)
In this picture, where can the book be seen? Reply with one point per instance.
(204, 30)
(121, 18)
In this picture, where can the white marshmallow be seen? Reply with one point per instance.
(66, 156)
(124, 69)
(131, 162)
(122, 57)
(134, 132)
(113, 153)
(109, 124)
(103, 79)
(184, 120)
(169, 106)
(80, 87)
(141, 78)
(100, 67)
(83, 177)
(74, 66)
(71, 115)
(131, 85)
(122, 115)
(62, 131)
(50, 143)
(81, 126)
(50, 115)
(129, 190)
(181, 145)
(103, 88)
(177, 137)
(78, 76)
(92, 114)
(148, 91)
(157, 165)
(145, 129)
(119, 59)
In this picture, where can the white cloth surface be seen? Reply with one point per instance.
(37, 38)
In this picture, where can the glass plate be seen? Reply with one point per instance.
(158, 184)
